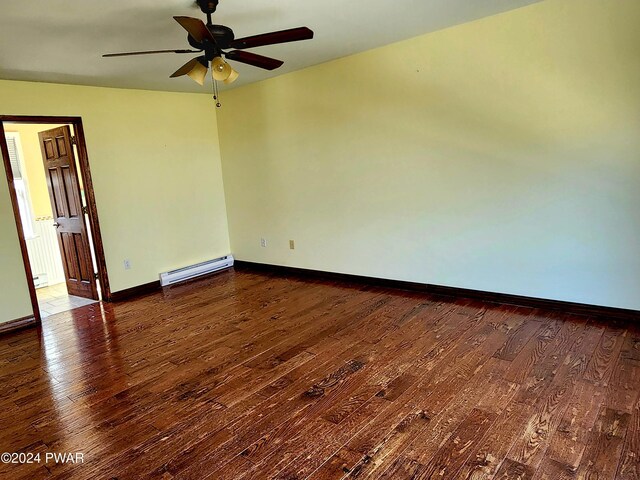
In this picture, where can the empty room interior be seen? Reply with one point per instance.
(320, 240)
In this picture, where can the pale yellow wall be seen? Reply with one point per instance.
(155, 163)
(32, 157)
(14, 295)
(499, 155)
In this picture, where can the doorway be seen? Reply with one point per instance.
(47, 168)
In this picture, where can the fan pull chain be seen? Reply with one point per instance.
(216, 94)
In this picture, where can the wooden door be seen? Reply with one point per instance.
(66, 202)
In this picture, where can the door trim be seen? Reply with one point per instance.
(16, 213)
(96, 234)
(85, 172)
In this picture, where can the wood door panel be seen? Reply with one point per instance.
(61, 147)
(75, 258)
(57, 200)
(73, 202)
(85, 273)
(66, 201)
(49, 151)
(69, 255)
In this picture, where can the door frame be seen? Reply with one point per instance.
(85, 172)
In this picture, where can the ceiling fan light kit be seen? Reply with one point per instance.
(215, 42)
(233, 76)
(198, 73)
(220, 70)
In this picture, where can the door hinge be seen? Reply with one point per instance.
(85, 210)
(96, 276)
(74, 140)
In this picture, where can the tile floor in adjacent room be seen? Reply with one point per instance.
(55, 299)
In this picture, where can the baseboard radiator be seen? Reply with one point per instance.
(44, 254)
(194, 271)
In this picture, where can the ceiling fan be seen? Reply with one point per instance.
(214, 41)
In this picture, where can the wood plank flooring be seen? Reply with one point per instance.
(254, 376)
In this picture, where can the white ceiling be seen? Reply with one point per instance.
(62, 40)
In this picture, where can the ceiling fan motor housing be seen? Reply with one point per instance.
(223, 35)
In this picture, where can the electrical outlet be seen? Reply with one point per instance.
(127, 264)
(263, 242)
(292, 245)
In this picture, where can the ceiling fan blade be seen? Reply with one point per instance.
(196, 28)
(254, 59)
(149, 52)
(283, 36)
(195, 68)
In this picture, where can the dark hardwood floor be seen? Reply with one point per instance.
(253, 376)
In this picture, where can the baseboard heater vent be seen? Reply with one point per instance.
(193, 271)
